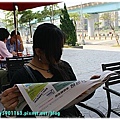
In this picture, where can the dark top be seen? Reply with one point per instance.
(21, 76)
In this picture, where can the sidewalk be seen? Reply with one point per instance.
(101, 47)
(108, 45)
(97, 52)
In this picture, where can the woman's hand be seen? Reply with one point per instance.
(95, 77)
(9, 98)
(14, 53)
(19, 38)
(21, 43)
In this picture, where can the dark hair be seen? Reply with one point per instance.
(13, 33)
(50, 39)
(4, 34)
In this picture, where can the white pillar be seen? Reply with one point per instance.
(90, 27)
(116, 19)
(91, 21)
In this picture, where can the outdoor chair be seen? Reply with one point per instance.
(90, 108)
(110, 87)
(2, 64)
(14, 64)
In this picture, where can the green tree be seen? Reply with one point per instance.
(50, 12)
(9, 20)
(97, 24)
(26, 17)
(86, 15)
(110, 17)
(75, 17)
(39, 16)
(68, 27)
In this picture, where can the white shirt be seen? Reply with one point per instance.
(4, 51)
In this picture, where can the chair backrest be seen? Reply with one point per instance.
(13, 64)
(113, 67)
(114, 80)
(27, 59)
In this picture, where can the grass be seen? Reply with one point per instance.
(116, 46)
(67, 46)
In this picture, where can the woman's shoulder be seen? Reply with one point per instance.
(20, 76)
(64, 65)
(21, 71)
(62, 62)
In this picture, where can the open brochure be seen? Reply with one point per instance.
(54, 96)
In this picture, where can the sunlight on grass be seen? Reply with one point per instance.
(116, 46)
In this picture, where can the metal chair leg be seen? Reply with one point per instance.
(92, 109)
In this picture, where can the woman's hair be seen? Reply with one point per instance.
(4, 34)
(50, 39)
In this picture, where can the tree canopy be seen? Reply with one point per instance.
(68, 27)
(50, 12)
(8, 21)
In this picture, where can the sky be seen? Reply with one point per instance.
(73, 2)
(78, 2)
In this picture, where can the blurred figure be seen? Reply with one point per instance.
(4, 34)
(11, 43)
(4, 53)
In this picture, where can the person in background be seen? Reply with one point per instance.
(46, 66)
(11, 42)
(4, 53)
(4, 34)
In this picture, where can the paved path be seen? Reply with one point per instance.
(87, 62)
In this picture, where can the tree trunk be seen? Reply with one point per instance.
(116, 37)
(30, 30)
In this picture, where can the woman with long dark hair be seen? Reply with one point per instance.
(46, 66)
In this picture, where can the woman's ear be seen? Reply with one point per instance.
(37, 51)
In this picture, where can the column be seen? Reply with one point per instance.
(91, 21)
(116, 19)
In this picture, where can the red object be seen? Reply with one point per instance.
(10, 6)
